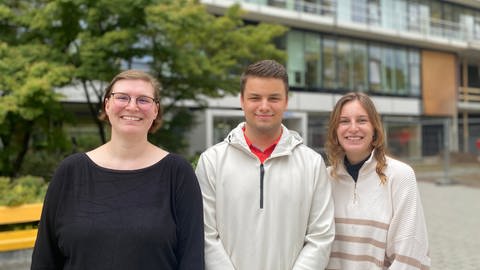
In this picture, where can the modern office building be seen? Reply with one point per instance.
(418, 59)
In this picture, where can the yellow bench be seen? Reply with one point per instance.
(23, 238)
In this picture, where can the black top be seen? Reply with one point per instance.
(99, 218)
(353, 169)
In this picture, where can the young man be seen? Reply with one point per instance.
(267, 200)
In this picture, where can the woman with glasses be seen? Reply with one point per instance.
(127, 204)
(379, 220)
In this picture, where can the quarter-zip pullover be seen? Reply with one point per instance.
(379, 226)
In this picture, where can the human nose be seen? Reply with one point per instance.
(132, 102)
(353, 125)
(264, 104)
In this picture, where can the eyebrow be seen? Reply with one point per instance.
(359, 116)
(271, 95)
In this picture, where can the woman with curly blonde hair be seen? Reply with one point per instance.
(378, 213)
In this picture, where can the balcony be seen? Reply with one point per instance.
(410, 25)
(469, 99)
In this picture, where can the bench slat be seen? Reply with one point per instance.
(13, 240)
(20, 214)
(22, 238)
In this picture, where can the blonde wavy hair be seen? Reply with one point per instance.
(335, 152)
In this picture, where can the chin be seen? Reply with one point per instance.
(356, 148)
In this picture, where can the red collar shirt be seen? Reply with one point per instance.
(262, 155)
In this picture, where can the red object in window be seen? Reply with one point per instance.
(477, 143)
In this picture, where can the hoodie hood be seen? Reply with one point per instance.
(288, 141)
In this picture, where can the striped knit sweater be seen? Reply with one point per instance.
(379, 226)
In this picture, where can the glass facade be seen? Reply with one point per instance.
(426, 17)
(375, 46)
(318, 62)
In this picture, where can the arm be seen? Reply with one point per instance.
(407, 243)
(46, 253)
(321, 229)
(189, 218)
(215, 255)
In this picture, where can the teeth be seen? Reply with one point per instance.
(131, 118)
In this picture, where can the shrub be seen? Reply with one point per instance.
(25, 189)
(41, 163)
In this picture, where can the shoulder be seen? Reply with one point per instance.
(399, 173)
(68, 168)
(308, 152)
(177, 161)
(215, 150)
(74, 158)
(73, 161)
(399, 167)
(181, 171)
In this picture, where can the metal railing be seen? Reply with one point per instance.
(469, 94)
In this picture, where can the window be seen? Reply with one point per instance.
(476, 27)
(345, 69)
(388, 69)
(328, 7)
(414, 72)
(473, 76)
(373, 12)
(313, 61)
(295, 62)
(418, 17)
(324, 62)
(359, 11)
(451, 28)
(401, 72)
(375, 68)
(329, 63)
(436, 19)
(359, 67)
(276, 3)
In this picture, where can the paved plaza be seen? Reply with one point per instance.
(453, 220)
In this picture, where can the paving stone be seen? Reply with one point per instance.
(452, 213)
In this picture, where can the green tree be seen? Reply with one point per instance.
(198, 55)
(97, 37)
(194, 54)
(49, 43)
(29, 72)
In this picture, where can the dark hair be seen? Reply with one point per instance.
(264, 69)
(335, 151)
(133, 74)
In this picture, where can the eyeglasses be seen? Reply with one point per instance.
(143, 102)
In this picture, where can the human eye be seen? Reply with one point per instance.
(144, 100)
(344, 121)
(363, 120)
(121, 97)
(275, 98)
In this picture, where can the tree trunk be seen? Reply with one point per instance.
(23, 150)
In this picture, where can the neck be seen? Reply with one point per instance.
(127, 147)
(262, 140)
(354, 159)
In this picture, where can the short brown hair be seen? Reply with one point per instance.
(264, 69)
(133, 74)
(335, 152)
